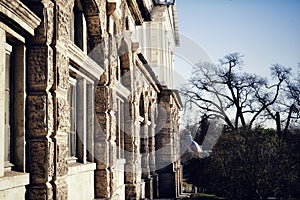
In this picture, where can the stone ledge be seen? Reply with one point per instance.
(12, 179)
(75, 168)
(18, 12)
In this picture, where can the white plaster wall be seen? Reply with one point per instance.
(80, 182)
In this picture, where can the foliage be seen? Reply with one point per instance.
(250, 164)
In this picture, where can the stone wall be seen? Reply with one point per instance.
(85, 126)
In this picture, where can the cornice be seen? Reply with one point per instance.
(20, 14)
(136, 12)
(84, 61)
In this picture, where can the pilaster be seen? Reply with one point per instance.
(48, 109)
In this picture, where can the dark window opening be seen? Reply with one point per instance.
(78, 29)
(120, 129)
(142, 108)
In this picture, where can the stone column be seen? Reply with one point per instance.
(144, 148)
(102, 146)
(151, 144)
(40, 116)
(130, 178)
(164, 147)
(2, 99)
(48, 109)
(130, 143)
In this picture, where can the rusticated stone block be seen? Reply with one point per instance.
(102, 154)
(62, 155)
(101, 99)
(63, 70)
(44, 32)
(131, 191)
(94, 26)
(102, 125)
(63, 115)
(61, 190)
(38, 161)
(51, 159)
(63, 21)
(40, 67)
(37, 115)
(40, 192)
(102, 182)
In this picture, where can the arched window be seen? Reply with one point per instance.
(78, 29)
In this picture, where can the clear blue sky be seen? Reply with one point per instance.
(264, 31)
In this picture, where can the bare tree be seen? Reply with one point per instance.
(287, 106)
(224, 91)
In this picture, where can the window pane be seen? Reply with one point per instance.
(72, 134)
(7, 103)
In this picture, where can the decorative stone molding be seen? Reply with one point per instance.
(18, 12)
(134, 8)
(122, 90)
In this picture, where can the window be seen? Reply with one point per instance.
(81, 101)
(78, 30)
(72, 133)
(8, 152)
(12, 122)
(141, 106)
(120, 128)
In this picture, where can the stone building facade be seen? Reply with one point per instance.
(83, 114)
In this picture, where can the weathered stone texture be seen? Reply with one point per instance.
(51, 70)
(40, 67)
